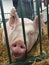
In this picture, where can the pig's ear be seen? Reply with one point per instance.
(36, 21)
(41, 19)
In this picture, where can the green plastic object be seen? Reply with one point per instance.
(30, 60)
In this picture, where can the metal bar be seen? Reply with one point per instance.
(38, 13)
(41, 6)
(48, 19)
(4, 24)
(23, 27)
(41, 12)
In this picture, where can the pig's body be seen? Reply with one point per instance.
(15, 35)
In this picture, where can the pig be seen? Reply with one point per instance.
(15, 34)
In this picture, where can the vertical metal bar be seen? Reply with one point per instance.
(4, 24)
(48, 19)
(0, 24)
(23, 27)
(0, 20)
(41, 6)
(32, 8)
(36, 7)
(38, 13)
(41, 12)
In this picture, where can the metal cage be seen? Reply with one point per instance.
(31, 59)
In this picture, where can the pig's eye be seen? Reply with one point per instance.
(31, 33)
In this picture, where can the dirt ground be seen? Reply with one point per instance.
(34, 52)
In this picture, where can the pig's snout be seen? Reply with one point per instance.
(18, 49)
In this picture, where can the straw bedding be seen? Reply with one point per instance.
(34, 52)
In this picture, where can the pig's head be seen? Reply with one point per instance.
(15, 36)
(17, 46)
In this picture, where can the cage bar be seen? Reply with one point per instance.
(28, 59)
(38, 13)
(23, 28)
(48, 17)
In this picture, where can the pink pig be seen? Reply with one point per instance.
(15, 34)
